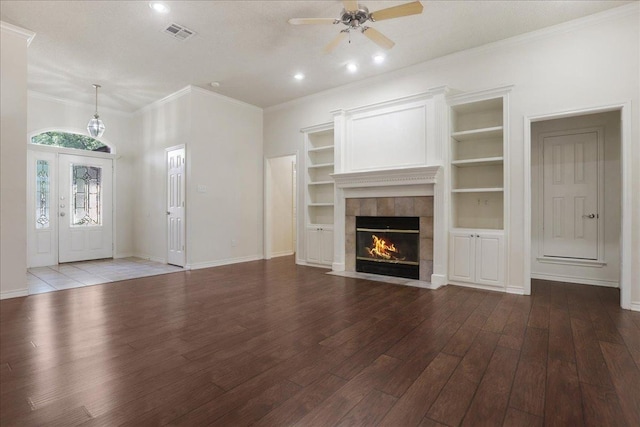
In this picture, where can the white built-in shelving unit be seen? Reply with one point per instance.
(320, 194)
(477, 177)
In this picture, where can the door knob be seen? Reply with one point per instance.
(168, 213)
(62, 214)
(589, 216)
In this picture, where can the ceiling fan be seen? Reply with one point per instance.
(354, 16)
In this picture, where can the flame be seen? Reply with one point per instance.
(381, 249)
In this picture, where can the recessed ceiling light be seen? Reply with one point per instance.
(298, 76)
(215, 84)
(159, 7)
(352, 67)
(378, 58)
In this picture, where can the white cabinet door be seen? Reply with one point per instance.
(476, 257)
(489, 256)
(320, 245)
(461, 257)
(314, 245)
(327, 246)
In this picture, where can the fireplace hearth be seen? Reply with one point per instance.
(388, 246)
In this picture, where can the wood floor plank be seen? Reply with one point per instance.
(528, 394)
(489, 404)
(369, 411)
(601, 407)
(414, 404)
(563, 399)
(626, 379)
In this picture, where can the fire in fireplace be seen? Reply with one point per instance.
(388, 245)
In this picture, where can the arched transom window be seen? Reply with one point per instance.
(70, 140)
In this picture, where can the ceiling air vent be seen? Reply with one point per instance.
(179, 32)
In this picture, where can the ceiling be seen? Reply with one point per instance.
(247, 46)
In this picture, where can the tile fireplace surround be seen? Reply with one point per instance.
(421, 207)
(411, 191)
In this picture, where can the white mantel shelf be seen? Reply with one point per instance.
(388, 177)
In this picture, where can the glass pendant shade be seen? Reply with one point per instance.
(95, 127)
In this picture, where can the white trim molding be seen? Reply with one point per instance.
(380, 178)
(572, 279)
(219, 263)
(19, 31)
(14, 294)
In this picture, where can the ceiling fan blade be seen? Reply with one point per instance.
(350, 5)
(311, 21)
(406, 9)
(335, 42)
(378, 38)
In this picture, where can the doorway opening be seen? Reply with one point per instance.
(280, 206)
(575, 209)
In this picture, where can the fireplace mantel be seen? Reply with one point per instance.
(388, 177)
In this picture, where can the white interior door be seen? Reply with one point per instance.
(85, 215)
(176, 207)
(570, 195)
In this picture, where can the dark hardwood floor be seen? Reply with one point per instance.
(274, 344)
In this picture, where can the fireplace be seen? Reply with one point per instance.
(388, 246)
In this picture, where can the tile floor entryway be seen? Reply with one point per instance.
(87, 273)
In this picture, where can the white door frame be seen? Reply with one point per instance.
(61, 150)
(268, 208)
(625, 160)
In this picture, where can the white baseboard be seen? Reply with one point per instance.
(282, 253)
(478, 286)
(635, 306)
(124, 255)
(14, 294)
(209, 264)
(438, 280)
(338, 266)
(578, 280)
(514, 290)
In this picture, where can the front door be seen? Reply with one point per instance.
(85, 217)
(570, 195)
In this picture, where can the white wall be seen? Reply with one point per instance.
(223, 141)
(46, 113)
(13, 159)
(581, 64)
(225, 224)
(282, 225)
(609, 274)
(165, 124)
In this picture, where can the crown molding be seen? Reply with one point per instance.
(69, 103)
(193, 89)
(224, 98)
(169, 98)
(19, 31)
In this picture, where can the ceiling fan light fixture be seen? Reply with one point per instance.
(159, 7)
(95, 127)
(352, 67)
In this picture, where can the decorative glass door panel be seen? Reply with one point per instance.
(86, 185)
(85, 208)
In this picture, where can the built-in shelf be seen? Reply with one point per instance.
(478, 134)
(321, 183)
(478, 190)
(321, 149)
(478, 162)
(320, 204)
(321, 165)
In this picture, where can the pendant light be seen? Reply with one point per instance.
(95, 126)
